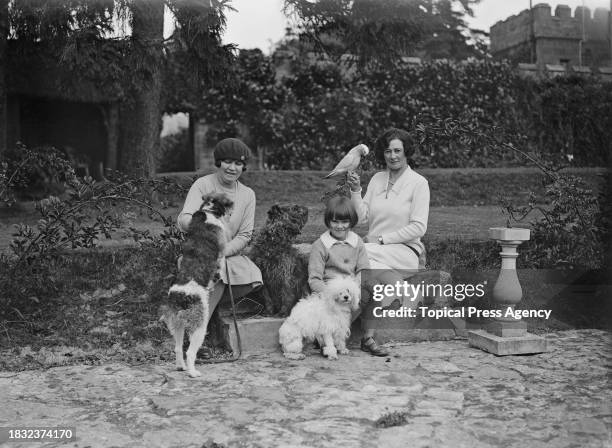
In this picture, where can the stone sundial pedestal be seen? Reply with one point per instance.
(507, 335)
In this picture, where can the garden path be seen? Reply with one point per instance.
(452, 396)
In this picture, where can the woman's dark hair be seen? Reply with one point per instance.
(340, 208)
(382, 143)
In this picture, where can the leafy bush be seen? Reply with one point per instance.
(84, 214)
(314, 133)
(175, 153)
(439, 90)
(73, 293)
(569, 116)
(32, 173)
(254, 101)
(573, 229)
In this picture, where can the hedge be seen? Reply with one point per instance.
(308, 119)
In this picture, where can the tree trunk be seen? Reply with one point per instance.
(110, 113)
(195, 155)
(3, 87)
(608, 231)
(141, 118)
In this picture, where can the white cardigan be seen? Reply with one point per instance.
(399, 216)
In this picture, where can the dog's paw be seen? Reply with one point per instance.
(295, 356)
(330, 352)
(344, 351)
(180, 364)
(194, 373)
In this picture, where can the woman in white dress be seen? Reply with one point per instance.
(396, 209)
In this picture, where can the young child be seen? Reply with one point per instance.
(339, 251)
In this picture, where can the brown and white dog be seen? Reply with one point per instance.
(186, 308)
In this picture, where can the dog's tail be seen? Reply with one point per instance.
(186, 295)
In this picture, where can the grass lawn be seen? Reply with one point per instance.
(464, 202)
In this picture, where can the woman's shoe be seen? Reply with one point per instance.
(369, 345)
(395, 305)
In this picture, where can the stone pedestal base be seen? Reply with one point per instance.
(501, 346)
(507, 329)
(260, 335)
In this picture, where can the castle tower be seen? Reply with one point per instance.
(560, 38)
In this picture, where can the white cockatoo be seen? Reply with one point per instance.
(350, 161)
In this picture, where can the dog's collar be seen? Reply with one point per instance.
(328, 241)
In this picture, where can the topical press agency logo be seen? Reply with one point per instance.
(462, 313)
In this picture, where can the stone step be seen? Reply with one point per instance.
(260, 334)
(257, 334)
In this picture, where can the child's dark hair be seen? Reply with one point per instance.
(340, 208)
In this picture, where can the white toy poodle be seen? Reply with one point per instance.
(325, 317)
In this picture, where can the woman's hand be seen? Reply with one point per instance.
(353, 180)
(184, 220)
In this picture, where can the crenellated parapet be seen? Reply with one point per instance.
(556, 37)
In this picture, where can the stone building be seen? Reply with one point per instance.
(538, 36)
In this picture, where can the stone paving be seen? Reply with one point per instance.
(452, 395)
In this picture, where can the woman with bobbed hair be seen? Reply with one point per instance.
(396, 209)
(231, 157)
(395, 206)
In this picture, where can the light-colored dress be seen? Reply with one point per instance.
(239, 226)
(399, 215)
